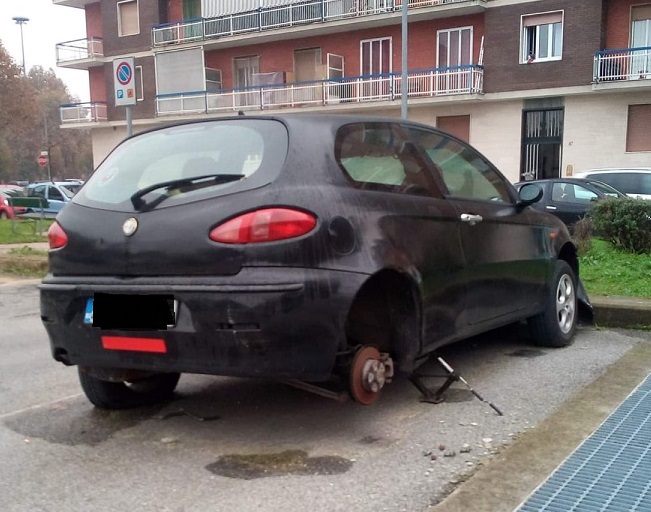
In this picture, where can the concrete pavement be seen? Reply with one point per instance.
(510, 476)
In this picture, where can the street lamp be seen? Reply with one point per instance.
(21, 20)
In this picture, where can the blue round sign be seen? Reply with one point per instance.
(123, 73)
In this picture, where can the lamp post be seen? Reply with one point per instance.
(405, 52)
(21, 20)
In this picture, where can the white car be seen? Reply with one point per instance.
(632, 181)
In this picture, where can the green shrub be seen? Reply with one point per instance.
(582, 234)
(625, 223)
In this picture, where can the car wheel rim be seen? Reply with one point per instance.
(565, 303)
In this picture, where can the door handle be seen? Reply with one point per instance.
(471, 219)
(550, 208)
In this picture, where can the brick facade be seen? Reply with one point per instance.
(279, 55)
(581, 39)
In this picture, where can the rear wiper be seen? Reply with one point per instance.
(184, 185)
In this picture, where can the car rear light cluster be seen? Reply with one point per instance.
(265, 225)
(56, 236)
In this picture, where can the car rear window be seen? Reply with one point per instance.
(253, 150)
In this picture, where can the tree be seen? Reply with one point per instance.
(18, 113)
(30, 123)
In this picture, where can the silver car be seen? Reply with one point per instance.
(632, 181)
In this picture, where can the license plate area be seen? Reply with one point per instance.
(131, 312)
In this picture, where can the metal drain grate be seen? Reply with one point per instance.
(610, 471)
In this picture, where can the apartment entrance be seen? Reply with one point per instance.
(542, 142)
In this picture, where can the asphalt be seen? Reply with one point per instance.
(510, 476)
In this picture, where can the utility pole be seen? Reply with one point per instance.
(47, 145)
(405, 52)
(21, 20)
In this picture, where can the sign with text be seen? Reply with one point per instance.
(124, 79)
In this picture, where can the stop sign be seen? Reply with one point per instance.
(42, 160)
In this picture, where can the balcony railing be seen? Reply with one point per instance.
(624, 64)
(90, 112)
(269, 18)
(80, 49)
(349, 90)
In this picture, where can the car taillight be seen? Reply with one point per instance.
(56, 236)
(264, 225)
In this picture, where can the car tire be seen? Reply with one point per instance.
(555, 326)
(3, 215)
(125, 395)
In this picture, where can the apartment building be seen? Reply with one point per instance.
(542, 87)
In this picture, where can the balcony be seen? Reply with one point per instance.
(625, 67)
(428, 83)
(76, 113)
(287, 16)
(74, 3)
(80, 54)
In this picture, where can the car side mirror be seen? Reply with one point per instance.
(529, 193)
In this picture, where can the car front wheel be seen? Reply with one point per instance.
(555, 326)
(123, 395)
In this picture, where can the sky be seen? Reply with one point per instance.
(48, 25)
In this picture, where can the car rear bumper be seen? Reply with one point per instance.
(264, 322)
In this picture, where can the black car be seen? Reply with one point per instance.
(570, 199)
(295, 247)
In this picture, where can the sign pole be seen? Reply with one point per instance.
(129, 121)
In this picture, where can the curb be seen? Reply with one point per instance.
(627, 312)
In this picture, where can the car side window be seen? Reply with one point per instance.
(38, 191)
(378, 156)
(465, 173)
(54, 194)
(572, 193)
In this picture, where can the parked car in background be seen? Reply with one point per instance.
(295, 247)
(570, 199)
(632, 181)
(6, 210)
(57, 193)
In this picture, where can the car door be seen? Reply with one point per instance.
(55, 199)
(570, 201)
(407, 221)
(504, 257)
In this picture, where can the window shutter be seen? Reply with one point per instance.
(459, 126)
(129, 23)
(542, 19)
(638, 133)
(641, 13)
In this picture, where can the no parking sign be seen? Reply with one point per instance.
(124, 80)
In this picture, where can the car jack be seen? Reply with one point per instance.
(436, 397)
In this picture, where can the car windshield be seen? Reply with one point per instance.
(249, 150)
(12, 192)
(69, 189)
(606, 189)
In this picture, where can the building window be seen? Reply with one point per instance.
(375, 56)
(245, 68)
(542, 37)
(128, 20)
(454, 47)
(638, 135)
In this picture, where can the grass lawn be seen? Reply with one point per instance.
(607, 271)
(24, 232)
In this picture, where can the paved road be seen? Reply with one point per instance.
(238, 445)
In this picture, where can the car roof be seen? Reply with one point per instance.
(299, 119)
(568, 179)
(610, 170)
